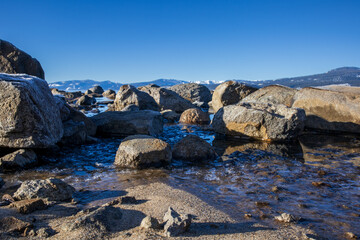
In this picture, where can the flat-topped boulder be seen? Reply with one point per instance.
(228, 93)
(273, 94)
(29, 115)
(260, 121)
(142, 151)
(330, 110)
(122, 124)
(192, 148)
(14, 60)
(130, 95)
(193, 92)
(167, 99)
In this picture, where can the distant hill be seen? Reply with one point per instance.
(83, 85)
(344, 75)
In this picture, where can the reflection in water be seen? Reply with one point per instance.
(316, 179)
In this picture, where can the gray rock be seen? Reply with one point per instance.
(29, 116)
(101, 220)
(74, 133)
(69, 96)
(111, 94)
(287, 218)
(193, 92)
(13, 60)
(64, 108)
(17, 160)
(86, 100)
(88, 92)
(51, 189)
(77, 116)
(176, 224)
(122, 124)
(273, 94)
(150, 222)
(170, 116)
(97, 89)
(167, 99)
(330, 110)
(130, 108)
(142, 151)
(194, 149)
(260, 121)
(130, 95)
(228, 93)
(45, 232)
(194, 116)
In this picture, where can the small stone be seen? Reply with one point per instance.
(350, 235)
(247, 215)
(150, 222)
(7, 197)
(29, 205)
(176, 224)
(262, 204)
(12, 224)
(44, 232)
(287, 218)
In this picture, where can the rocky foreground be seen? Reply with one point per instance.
(36, 121)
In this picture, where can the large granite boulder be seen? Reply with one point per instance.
(167, 99)
(194, 116)
(260, 121)
(228, 93)
(52, 189)
(20, 159)
(86, 100)
(142, 151)
(29, 115)
(97, 89)
(273, 94)
(130, 95)
(193, 92)
(13, 60)
(111, 94)
(330, 110)
(122, 124)
(193, 149)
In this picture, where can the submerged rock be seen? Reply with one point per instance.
(194, 116)
(29, 116)
(14, 60)
(130, 95)
(176, 224)
(193, 148)
(273, 94)
(167, 99)
(17, 160)
(259, 121)
(170, 116)
(193, 92)
(122, 124)
(329, 110)
(29, 205)
(141, 151)
(228, 93)
(52, 189)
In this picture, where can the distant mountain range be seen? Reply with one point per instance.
(344, 75)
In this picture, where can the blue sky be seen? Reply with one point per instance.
(133, 40)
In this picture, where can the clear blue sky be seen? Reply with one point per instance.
(133, 40)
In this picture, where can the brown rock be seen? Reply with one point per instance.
(194, 116)
(228, 93)
(274, 94)
(13, 60)
(329, 110)
(29, 205)
(12, 224)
